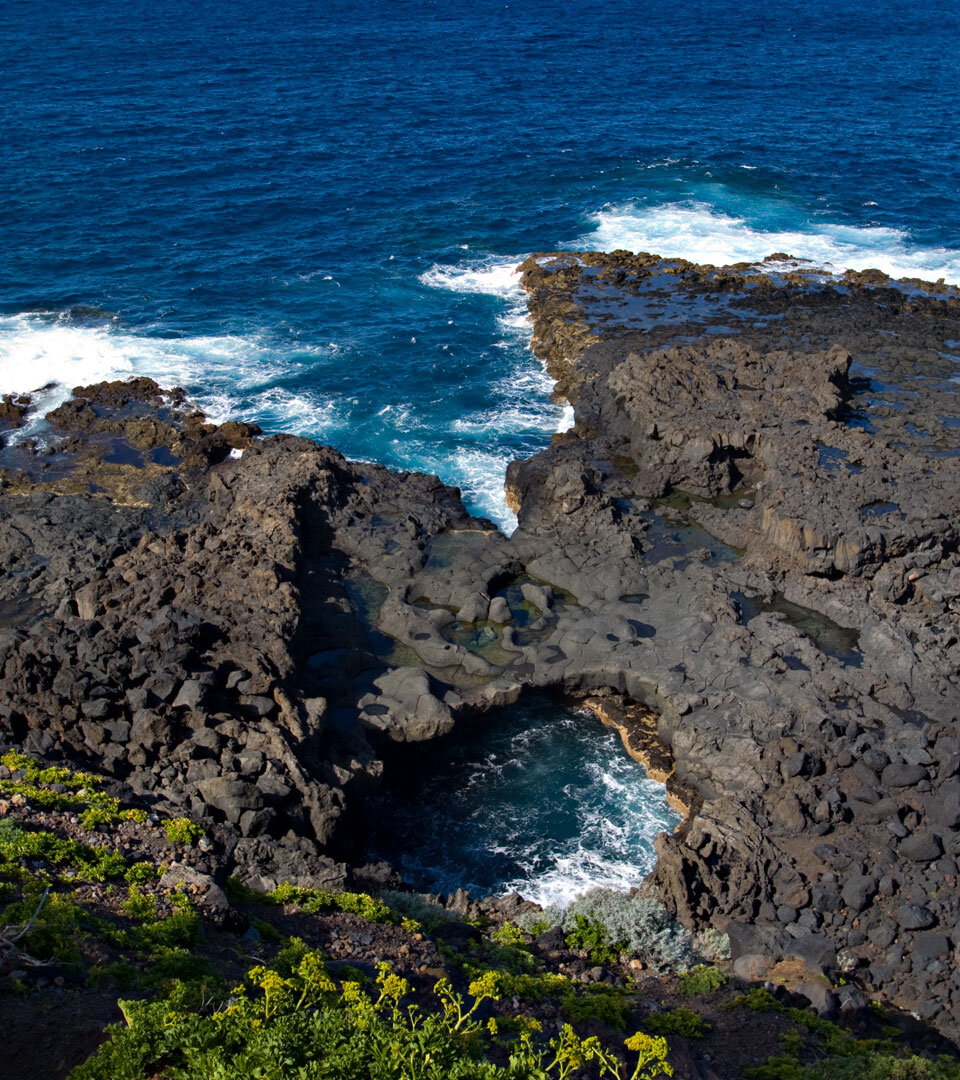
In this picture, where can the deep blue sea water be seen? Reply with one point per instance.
(308, 213)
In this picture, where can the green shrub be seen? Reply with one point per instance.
(702, 979)
(123, 973)
(365, 906)
(266, 930)
(680, 1021)
(180, 927)
(536, 927)
(93, 864)
(871, 1065)
(508, 934)
(604, 1004)
(59, 788)
(840, 1054)
(141, 873)
(317, 901)
(56, 932)
(590, 935)
(419, 908)
(181, 830)
(141, 907)
(303, 1024)
(639, 924)
(533, 987)
(177, 962)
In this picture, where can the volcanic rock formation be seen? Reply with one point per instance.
(751, 532)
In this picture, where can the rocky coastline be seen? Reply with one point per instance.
(743, 556)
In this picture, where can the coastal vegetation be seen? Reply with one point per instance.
(202, 998)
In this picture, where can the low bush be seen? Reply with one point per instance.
(302, 1023)
(510, 935)
(59, 788)
(181, 830)
(711, 944)
(602, 1004)
(635, 923)
(590, 935)
(55, 856)
(680, 1021)
(418, 908)
(837, 1054)
(702, 979)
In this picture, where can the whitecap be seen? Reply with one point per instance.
(701, 233)
(493, 277)
(480, 474)
(229, 376)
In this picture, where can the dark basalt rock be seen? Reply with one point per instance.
(13, 408)
(744, 556)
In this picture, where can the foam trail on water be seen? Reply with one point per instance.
(703, 234)
(524, 408)
(493, 277)
(481, 475)
(228, 376)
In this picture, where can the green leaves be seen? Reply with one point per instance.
(702, 979)
(591, 936)
(181, 830)
(299, 1023)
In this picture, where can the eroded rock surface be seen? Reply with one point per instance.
(751, 532)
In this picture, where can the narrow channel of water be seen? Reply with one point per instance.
(538, 797)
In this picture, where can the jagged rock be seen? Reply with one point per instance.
(201, 888)
(231, 797)
(216, 633)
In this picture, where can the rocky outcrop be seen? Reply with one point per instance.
(744, 555)
(766, 442)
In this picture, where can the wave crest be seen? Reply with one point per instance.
(701, 233)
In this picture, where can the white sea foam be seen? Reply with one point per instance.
(524, 407)
(494, 277)
(480, 475)
(228, 375)
(703, 234)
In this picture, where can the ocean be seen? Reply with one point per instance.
(309, 214)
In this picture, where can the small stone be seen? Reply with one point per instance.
(898, 776)
(922, 847)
